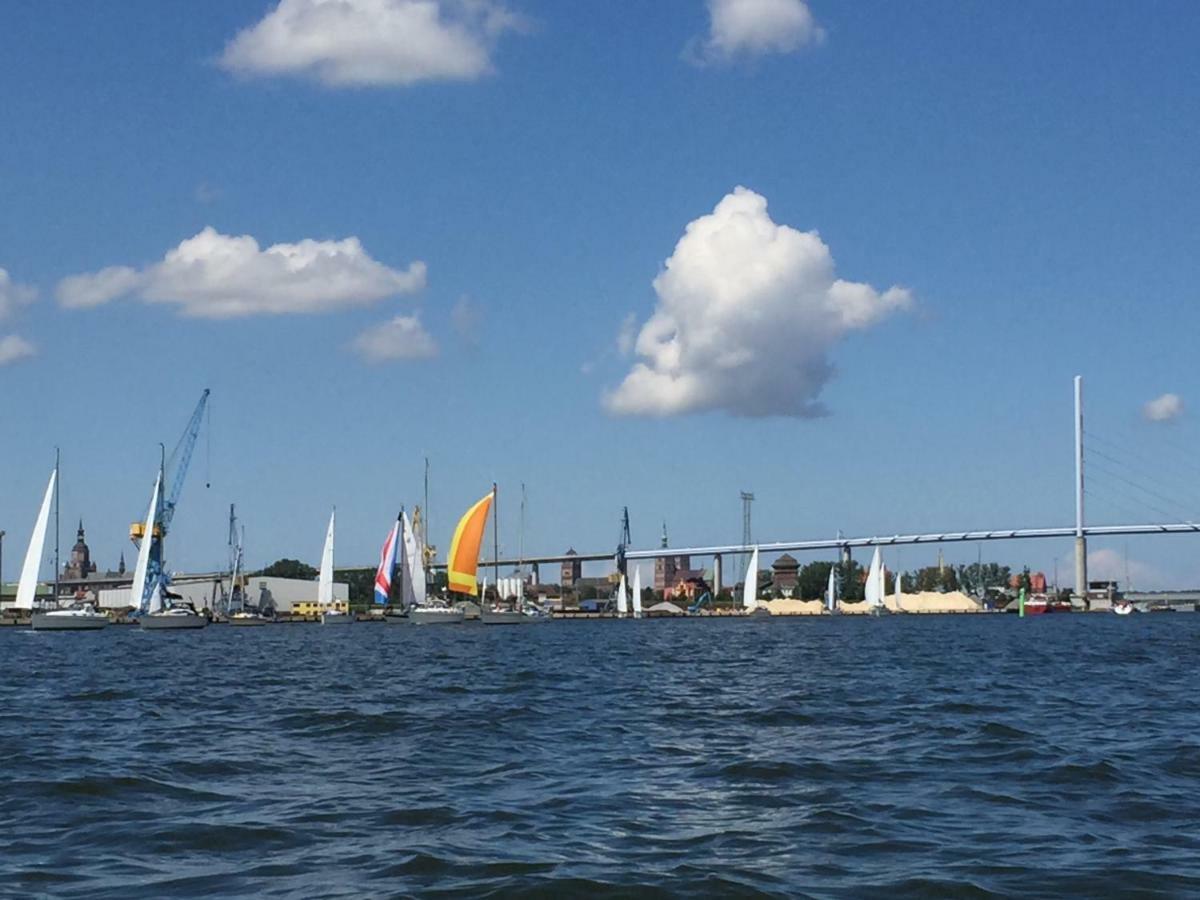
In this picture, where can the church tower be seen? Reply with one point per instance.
(80, 565)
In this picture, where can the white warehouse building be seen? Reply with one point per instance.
(261, 591)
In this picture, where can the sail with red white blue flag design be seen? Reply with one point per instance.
(387, 565)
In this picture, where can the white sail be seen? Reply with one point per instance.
(137, 592)
(325, 579)
(412, 575)
(622, 599)
(831, 589)
(750, 584)
(637, 592)
(156, 598)
(871, 589)
(27, 587)
(897, 591)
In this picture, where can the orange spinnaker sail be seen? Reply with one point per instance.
(463, 560)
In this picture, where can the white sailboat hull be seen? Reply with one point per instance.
(172, 621)
(336, 619)
(420, 616)
(68, 620)
(248, 620)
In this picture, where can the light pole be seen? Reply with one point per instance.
(1, 562)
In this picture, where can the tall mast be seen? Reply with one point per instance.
(1081, 579)
(56, 458)
(521, 536)
(495, 542)
(399, 549)
(425, 555)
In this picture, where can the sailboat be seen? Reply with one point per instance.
(637, 592)
(622, 600)
(330, 615)
(831, 590)
(152, 602)
(243, 618)
(422, 609)
(750, 589)
(873, 590)
(462, 563)
(80, 618)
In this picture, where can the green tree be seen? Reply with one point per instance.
(289, 568)
(852, 581)
(813, 579)
(361, 585)
(979, 578)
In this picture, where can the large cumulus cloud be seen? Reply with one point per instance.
(748, 312)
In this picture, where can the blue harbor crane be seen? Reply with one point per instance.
(177, 467)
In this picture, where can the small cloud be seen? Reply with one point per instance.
(13, 295)
(206, 193)
(343, 43)
(1109, 565)
(1166, 408)
(748, 313)
(466, 317)
(219, 276)
(741, 29)
(402, 338)
(14, 348)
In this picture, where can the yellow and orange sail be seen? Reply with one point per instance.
(463, 561)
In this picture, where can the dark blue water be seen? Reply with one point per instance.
(911, 756)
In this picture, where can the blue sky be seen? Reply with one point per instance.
(1024, 172)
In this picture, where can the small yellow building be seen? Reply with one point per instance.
(313, 608)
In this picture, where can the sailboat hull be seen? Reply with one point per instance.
(435, 616)
(79, 622)
(248, 621)
(167, 622)
(336, 619)
(505, 617)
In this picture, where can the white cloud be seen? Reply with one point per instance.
(98, 288)
(13, 295)
(747, 314)
(1163, 409)
(218, 276)
(372, 42)
(14, 348)
(401, 338)
(747, 28)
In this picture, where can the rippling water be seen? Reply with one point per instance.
(910, 756)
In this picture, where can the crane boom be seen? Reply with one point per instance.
(181, 458)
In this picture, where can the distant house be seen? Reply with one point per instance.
(785, 575)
